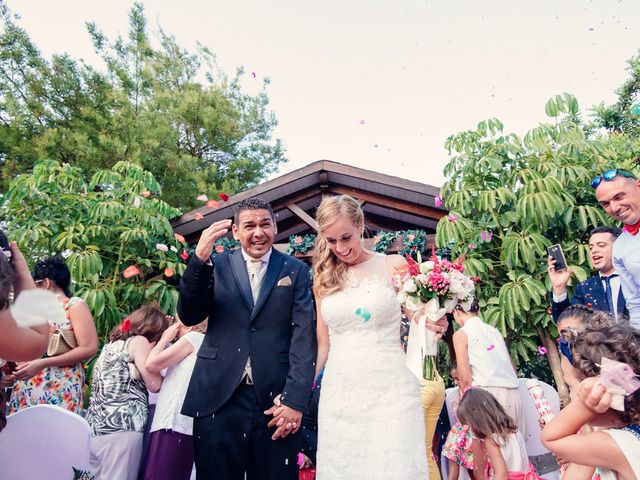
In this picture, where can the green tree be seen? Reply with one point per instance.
(509, 199)
(103, 225)
(169, 110)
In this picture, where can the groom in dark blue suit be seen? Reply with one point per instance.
(253, 374)
(600, 292)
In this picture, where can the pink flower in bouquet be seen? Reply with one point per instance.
(297, 240)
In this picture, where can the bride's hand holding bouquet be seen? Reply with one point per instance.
(429, 290)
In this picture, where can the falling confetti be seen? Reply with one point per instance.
(178, 237)
(437, 201)
(490, 347)
(131, 271)
(162, 247)
(300, 459)
(361, 122)
(253, 74)
(146, 194)
(168, 272)
(198, 216)
(184, 255)
(364, 313)
(136, 201)
(202, 198)
(212, 204)
(542, 350)
(173, 249)
(224, 197)
(452, 217)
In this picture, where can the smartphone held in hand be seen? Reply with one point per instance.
(555, 252)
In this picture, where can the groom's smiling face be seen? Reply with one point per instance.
(255, 231)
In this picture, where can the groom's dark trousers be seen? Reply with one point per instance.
(230, 431)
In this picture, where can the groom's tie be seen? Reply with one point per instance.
(253, 269)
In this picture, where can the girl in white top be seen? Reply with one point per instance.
(615, 451)
(496, 433)
(170, 446)
(484, 361)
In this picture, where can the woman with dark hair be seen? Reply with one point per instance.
(58, 377)
(119, 404)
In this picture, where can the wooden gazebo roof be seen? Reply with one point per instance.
(390, 203)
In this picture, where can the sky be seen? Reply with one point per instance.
(381, 84)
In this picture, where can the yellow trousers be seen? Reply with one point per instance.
(432, 394)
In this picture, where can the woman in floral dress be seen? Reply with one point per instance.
(57, 380)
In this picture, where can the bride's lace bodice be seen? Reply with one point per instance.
(367, 310)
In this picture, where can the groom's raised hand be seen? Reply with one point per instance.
(286, 419)
(208, 237)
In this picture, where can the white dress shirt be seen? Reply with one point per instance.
(626, 260)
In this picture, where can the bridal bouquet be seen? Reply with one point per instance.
(431, 289)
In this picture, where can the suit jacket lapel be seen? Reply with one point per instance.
(599, 292)
(242, 278)
(276, 261)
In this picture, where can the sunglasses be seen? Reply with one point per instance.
(610, 175)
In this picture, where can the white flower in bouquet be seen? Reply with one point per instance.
(426, 267)
(457, 282)
(422, 278)
(409, 286)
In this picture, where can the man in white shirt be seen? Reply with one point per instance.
(618, 192)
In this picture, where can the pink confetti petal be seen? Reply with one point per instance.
(542, 350)
(212, 204)
(300, 459)
(162, 247)
(452, 217)
(437, 201)
(253, 74)
(146, 194)
(178, 237)
(184, 255)
(136, 202)
(198, 216)
(486, 236)
(173, 249)
(131, 271)
(490, 347)
(202, 198)
(361, 122)
(168, 272)
(472, 246)
(224, 197)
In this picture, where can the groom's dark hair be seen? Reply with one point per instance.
(254, 203)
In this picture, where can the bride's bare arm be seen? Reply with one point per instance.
(323, 341)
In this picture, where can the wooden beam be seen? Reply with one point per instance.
(304, 216)
(422, 211)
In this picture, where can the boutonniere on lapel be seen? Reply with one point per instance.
(284, 282)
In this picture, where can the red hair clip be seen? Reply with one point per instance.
(125, 326)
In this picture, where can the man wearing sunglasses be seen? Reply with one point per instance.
(600, 292)
(618, 192)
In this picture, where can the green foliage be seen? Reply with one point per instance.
(384, 240)
(509, 199)
(102, 225)
(167, 109)
(301, 243)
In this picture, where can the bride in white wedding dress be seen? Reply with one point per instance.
(370, 421)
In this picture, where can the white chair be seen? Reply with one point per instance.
(44, 441)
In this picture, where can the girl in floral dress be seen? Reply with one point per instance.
(57, 380)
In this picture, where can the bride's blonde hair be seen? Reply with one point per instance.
(329, 272)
